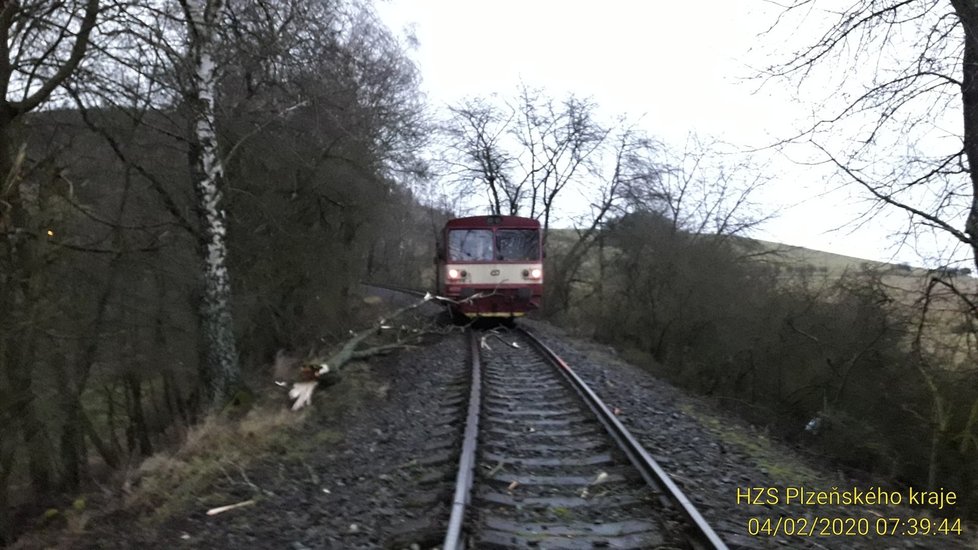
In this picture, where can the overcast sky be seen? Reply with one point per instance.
(681, 66)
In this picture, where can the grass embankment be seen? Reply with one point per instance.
(213, 465)
(170, 482)
(223, 449)
(767, 455)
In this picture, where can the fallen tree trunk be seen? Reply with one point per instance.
(314, 371)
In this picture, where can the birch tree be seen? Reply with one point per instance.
(220, 369)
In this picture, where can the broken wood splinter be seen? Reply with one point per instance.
(222, 509)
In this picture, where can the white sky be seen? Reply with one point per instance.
(680, 66)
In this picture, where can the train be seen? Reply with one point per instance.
(490, 266)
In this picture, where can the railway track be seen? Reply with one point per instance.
(545, 464)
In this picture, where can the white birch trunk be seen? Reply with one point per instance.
(220, 369)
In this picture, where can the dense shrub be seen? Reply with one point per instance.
(833, 355)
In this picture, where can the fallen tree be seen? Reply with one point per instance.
(316, 370)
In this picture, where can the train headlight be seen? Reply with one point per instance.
(454, 274)
(534, 273)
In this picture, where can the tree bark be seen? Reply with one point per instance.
(137, 417)
(220, 370)
(968, 14)
(18, 254)
(18, 300)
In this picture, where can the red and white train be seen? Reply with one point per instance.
(491, 266)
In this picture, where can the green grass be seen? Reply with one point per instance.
(767, 457)
(561, 512)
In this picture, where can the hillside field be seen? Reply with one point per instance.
(948, 324)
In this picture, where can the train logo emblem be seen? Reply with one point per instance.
(494, 272)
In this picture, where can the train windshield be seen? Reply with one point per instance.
(472, 245)
(517, 245)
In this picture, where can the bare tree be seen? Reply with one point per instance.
(894, 132)
(671, 211)
(308, 90)
(701, 189)
(41, 45)
(630, 162)
(559, 141)
(524, 154)
(477, 132)
(296, 117)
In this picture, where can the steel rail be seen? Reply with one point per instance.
(654, 475)
(466, 462)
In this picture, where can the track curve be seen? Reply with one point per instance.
(548, 474)
(546, 464)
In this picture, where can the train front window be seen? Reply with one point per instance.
(472, 245)
(517, 245)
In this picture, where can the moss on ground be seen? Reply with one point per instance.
(766, 454)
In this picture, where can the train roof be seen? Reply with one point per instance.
(493, 221)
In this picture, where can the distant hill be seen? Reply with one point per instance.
(949, 324)
(833, 265)
(797, 260)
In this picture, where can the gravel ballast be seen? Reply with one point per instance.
(699, 447)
